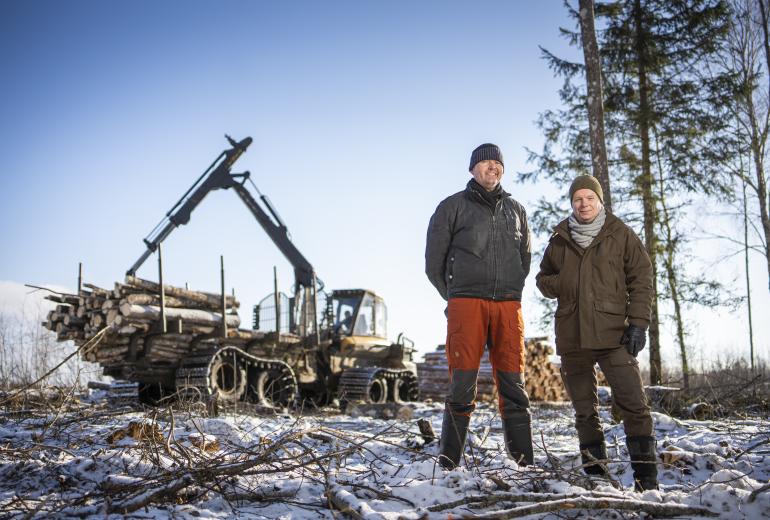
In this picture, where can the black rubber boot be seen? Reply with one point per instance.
(517, 431)
(643, 456)
(590, 453)
(454, 430)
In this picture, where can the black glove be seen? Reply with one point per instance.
(634, 339)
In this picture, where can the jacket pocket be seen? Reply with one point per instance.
(452, 334)
(621, 358)
(516, 322)
(467, 274)
(473, 240)
(565, 308)
(567, 330)
(450, 269)
(610, 307)
(610, 320)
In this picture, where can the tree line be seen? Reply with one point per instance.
(686, 102)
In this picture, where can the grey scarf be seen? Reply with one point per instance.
(584, 234)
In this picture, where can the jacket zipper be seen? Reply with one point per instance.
(494, 249)
(582, 255)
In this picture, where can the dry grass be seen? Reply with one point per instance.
(727, 387)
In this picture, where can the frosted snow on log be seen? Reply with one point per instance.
(192, 315)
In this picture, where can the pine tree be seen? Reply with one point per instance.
(595, 100)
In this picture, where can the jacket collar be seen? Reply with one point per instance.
(610, 224)
(477, 192)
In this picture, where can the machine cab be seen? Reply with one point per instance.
(359, 312)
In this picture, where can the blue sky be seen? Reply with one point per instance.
(363, 116)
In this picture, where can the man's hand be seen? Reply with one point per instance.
(548, 285)
(634, 339)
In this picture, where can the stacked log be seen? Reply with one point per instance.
(542, 378)
(130, 313)
(433, 376)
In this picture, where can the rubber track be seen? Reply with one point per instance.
(194, 371)
(355, 382)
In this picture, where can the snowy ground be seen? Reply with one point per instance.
(97, 461)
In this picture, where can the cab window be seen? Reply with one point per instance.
(380, 318)
(365, 321)
(344, 311)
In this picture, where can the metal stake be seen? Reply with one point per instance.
(277, 297)
(224, 296)
(315, 310)
(163, 325)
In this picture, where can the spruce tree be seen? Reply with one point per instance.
(663, 117)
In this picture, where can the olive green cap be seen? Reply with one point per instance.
(587, 182)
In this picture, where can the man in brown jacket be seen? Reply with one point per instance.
(599, 271)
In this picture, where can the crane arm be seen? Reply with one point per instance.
(279, 234)
(215, 177)
(218, 176)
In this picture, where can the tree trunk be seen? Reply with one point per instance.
(673, 287)
(757, 154)
(594, 99)
(209, 299)
(171, 301)
(648, 199)
(149, 312)
(673, 284)
(763, 194)
(748, 277)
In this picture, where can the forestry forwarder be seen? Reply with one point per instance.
(344, 353)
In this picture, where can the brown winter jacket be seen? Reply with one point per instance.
(599, 289)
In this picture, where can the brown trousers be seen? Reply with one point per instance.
(472, 324)
(622, 372)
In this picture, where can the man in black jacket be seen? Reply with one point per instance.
(478, 256)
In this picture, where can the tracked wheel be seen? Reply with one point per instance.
(378, 391)
(404, 389)
(376, 385)
(234, 375)
(227, 376)
(276, 387)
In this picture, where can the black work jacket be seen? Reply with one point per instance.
(477, 249)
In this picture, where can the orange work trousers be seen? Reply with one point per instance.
(474, 323)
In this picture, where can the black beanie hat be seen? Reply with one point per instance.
(486, 152)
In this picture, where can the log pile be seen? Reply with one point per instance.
(131, 311)
(542, 378)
